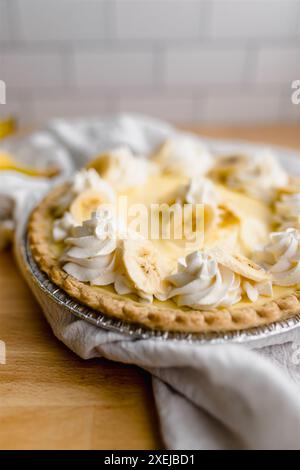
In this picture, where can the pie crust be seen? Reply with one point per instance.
(126, 308)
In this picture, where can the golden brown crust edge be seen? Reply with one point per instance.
(150, 316)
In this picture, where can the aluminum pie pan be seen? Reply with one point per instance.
(272, 333)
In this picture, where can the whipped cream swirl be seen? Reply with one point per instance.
(123, 170)
(185, 156)
(91, 250)
(288, 211)
(258, 175)
(281, 257)
(202, 283)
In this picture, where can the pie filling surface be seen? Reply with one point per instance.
(179, 240)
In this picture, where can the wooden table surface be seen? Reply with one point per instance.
(49, 398)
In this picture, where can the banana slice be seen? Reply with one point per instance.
(240, 265)
(225, 165)
(254, 217)
(292, 188)
(86, 203)
(104, 164)
(142, 266)
(243, 206)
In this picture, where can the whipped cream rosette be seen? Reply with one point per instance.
(206, 280)
(185, 156)
(281, 257)
(90, 254)
(287, 211)
(201, 283)
(122, 169)
(257, 175)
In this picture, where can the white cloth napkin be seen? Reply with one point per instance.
(207, 396)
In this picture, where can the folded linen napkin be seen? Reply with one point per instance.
(207, 396)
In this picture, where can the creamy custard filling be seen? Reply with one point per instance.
(171, 272)
(281, 257)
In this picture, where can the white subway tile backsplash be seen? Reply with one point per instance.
(158, 19)
(4, 21)
(181, 60)
(114, 68)
(69, 106)
(31, 70)
(257, 19)
(20, 108)
(280, 65)
(175, 109)
(298, 21)
(68, 20)
(204, 66)
(239, 106)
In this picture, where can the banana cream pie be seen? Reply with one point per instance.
(179, 241)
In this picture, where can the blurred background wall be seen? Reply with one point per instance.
(189, 61)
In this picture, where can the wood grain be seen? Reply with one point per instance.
(287, 135)
(49, 398)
